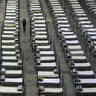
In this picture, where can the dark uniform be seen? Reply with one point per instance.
(24, 24)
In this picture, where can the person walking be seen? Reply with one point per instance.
(24, 24)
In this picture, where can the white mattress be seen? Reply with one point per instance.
(48, 64)
(40, 32)
(37, 19)
(84, 22)
(12, 90)
(38, 29)
(62, 21)
(8, 52)
(70, 37)
(91, 29)
(89, 80)
(56, 11)
(41, 41)
(12, 4)
(47, 47)
(52, 90)
(81, 52)
(62, 17)
(59, 9)
(92, 33)
(9, 32)
(67, 33)
(65, 29)
(46, 52)
(74, 47)
(10, 17)
(11, 11)
(77, 7)
(52, 4)
(60, 14)
(35, 5)
(78, 57)
(10, 64)
(11, 8)
(83, 18)
(93, 37)
(37, 14)
(88, 26)
(38, 8)
(9, 57)
(8, 36)
(89, 90)
(41, 36)
(82, 64)
(8, 42)
(85, 73)
(9, 28)
(63, 25)
(72, 41)
(9, 24)
(50, 80)
(9, 21)
(14, 80)
(8, 47)
(47, 74)
(40, 25)
(81, 14)
(47, 58)
(13, 72)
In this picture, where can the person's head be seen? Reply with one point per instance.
(23, 18)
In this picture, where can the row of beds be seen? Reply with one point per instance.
(49, 79)
(86, 30)
(90, 6)
(11, 74)
(81, 70)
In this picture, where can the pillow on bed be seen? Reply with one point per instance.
(38, 62)
(40, 78)
(20, 62)
(9, 25)
(41, 88)
(3, 71)
(37, 56)
(37, 50)
(20, 88)
(2, 78)
(74, 71)
(71, 62)
(79, 88)
(55, 71)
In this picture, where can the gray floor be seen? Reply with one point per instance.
(2, 7)
(29, 68)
